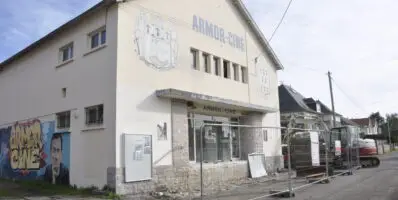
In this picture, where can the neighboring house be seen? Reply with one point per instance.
(326, 112)
(310, 110)
(157, 69)
(292, 102)
(368, 126)
(348, 122)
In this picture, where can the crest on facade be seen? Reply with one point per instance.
(263, 77)
(155, 41)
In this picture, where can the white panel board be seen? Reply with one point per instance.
(137, 157)
(337, 145)
(256, 164)
(314, 137)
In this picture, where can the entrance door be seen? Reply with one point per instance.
(216, 142)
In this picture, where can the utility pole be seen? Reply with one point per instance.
(389, 132)
(331, 96)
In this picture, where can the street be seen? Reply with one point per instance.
(366, 184)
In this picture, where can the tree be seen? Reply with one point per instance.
(392, 122)
(377, 117)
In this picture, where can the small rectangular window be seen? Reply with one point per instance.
(103, 37)
(97, 38)
(216, 62)
(194, 55)
(226, 68)
(94, 40)
(265, 135)
(244, 74)
(95, 115)
(236, 72)
(63, 92)
(66, 52)
(63, 120)
(206, 62)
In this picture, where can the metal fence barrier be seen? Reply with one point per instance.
(249, 159)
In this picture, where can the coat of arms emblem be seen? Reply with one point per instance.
(264, 81)
(155, 41)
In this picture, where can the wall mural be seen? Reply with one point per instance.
(155, 41)
(33, 151)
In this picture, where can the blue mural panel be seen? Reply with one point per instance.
(34, 151)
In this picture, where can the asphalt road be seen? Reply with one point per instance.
(365, 184)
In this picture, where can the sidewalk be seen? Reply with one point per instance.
(255, 190)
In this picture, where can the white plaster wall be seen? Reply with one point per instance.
(139, 111)
(31, 87)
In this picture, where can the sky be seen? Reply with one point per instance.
(355, 40)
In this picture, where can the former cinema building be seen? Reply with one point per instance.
(117, 96)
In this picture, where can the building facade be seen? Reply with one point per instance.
(119, 96)
(368, 126)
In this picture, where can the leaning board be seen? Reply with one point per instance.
(256, 165)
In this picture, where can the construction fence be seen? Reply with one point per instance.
(255, 162)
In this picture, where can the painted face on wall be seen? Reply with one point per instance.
(56, 155)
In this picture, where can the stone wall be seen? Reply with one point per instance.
(184, 176)
(251, 139)
(184, 179)
(179, 130)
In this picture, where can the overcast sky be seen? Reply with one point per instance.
(357, 40)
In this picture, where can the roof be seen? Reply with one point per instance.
(345, 121)
(95, 8)
(292, 101)
(311, 103)
(361, 121)
(327, 110)
(238, 4)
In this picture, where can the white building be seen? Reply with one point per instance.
(77, 96)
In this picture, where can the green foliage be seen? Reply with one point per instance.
(376, 116)
(10, 188)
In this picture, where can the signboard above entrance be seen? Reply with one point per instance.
(218, 33)
(211, 109)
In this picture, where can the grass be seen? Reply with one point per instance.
(10, 188)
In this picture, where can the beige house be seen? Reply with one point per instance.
(118, 96)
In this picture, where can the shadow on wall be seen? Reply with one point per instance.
(152, 103)
(33, 151)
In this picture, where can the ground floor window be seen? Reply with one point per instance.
(220, 143)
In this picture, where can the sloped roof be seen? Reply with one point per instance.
(69, 24)
(361, 121)
(345, 121)
(292, 101)
(327, 110)
(238, 4)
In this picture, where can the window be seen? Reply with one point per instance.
(217, 70)
(265, 135)
(95, 115)
(206, 62)
(244, 74)
(236, 72)
(194, 55)
(63, 92)
(66, 52)
(63, 119)
(97, 38)
(220, 143)
(227, 70)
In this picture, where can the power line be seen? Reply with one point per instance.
(280, 21)
(349, 97)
